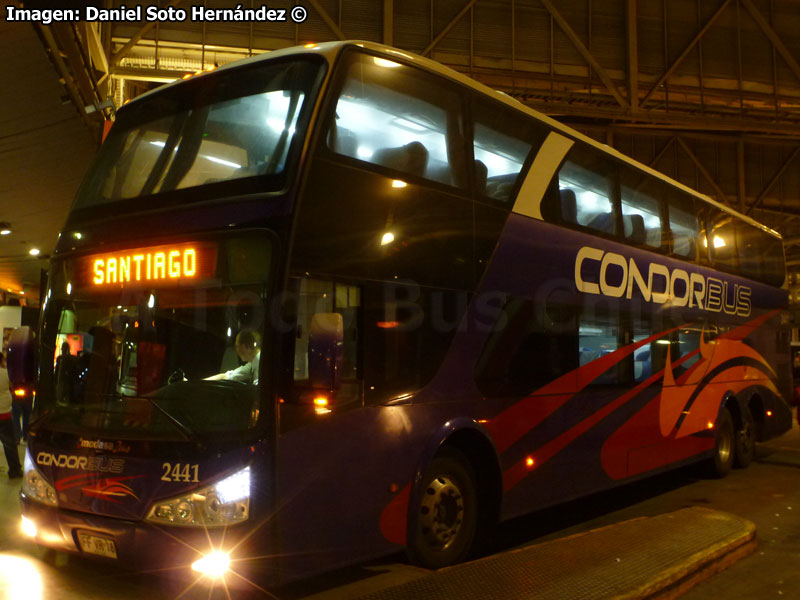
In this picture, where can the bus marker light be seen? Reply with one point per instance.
(28, 527)
(710, 425)
(769, 413)
(215, 564)
(529, 462)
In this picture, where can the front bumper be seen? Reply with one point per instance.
(139, 546)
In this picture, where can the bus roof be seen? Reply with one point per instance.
(330, 50)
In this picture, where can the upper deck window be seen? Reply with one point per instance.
(399, 118)
(502, 142)
(586, 191)
(230, 126)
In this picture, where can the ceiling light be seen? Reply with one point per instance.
(34, 251)
(5, 231)
(5, 228)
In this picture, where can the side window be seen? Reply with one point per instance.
(601, 332)
(528, 333)
(750, 251)
(684, 225)
(397, 117)
(408, 330)
(641, 197)
(317, 297)
(586, 183)
(722, 241)
(502, 141)
(774, 265)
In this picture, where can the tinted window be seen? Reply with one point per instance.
(722, 241)
(586, 183)
(502, 142)
(397, 117)
(684, 225)
(531, 346)
(641, 197)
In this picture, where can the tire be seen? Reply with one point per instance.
(721, 463)
(445, 515)
(745, 445)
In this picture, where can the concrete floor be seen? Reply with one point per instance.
(767, 493)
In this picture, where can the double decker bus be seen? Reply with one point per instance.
(333, 301)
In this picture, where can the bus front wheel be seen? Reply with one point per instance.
(446, 512)
(721, 462)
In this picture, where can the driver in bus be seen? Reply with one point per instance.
(248, 349)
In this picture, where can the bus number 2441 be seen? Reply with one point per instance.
(180, 472)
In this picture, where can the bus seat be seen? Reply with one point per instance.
(637, 233)
(411, 158)
(343, 141)
(569, 205)
(603, 222)
(481, 173)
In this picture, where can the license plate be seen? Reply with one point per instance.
(92, 544)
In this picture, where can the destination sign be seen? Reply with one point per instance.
(157, 264)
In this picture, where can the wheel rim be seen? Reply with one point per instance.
(725, 444)
(441, 512)
(746, 438)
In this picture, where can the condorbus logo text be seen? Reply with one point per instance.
(658, 284)
(102, 464)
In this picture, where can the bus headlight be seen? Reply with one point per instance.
(223, 503)
(34, 485)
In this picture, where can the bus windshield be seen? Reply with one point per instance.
(161, 359)
(231, 126)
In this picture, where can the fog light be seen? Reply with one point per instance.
(28, 527)
(213, 565)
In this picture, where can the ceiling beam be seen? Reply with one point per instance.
(690, 46)
(722, 197)
(632, 32)
(123, 52)
(446, 29)
(773, 37)
(584, 52)
(774, 179)
(332, 25)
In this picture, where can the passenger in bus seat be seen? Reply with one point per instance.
(411, 158)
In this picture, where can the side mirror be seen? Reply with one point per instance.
(325, 345)
(21, 358)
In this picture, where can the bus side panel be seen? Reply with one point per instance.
(337, 477)
(614, 419)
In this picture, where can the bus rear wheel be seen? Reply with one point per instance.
(745, 440)
(721, 462)
(446, 512)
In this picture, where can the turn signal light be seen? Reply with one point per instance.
(19, 392)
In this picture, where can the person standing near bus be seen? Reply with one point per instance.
(6, 427)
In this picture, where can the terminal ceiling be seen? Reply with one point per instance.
(706, 91)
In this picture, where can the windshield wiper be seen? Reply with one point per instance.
(184, 429)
